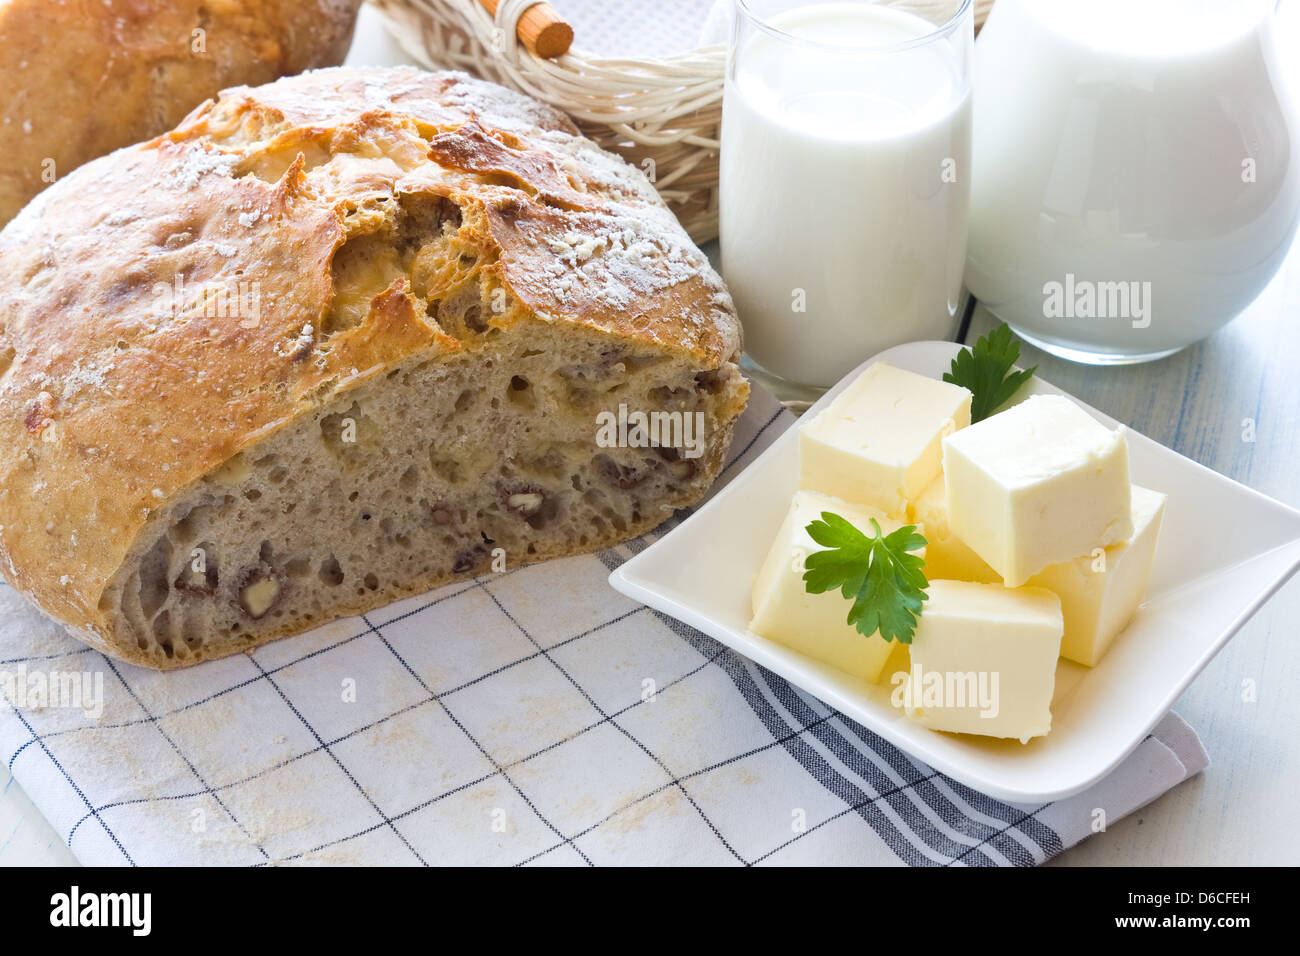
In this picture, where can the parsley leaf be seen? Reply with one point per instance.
(878, 574)
(984, 370)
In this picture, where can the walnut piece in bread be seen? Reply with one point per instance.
(334, 341)
(80, 78)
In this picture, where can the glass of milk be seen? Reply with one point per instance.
(844, 180)
(1136, 177)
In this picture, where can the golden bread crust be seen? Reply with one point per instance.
(81, 78)
(121, 385)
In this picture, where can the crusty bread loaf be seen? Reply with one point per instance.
(335, 341)
(79, 78)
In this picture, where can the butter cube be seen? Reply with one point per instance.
(984, 660)
(1040, 483)
(815, 624)
(946, 555)
(898, 662)
(879, 441)
(1099, 592)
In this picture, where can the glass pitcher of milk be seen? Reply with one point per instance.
(844, 179)
(1136, 178)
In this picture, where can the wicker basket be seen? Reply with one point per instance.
(661, 114)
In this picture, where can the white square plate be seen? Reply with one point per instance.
(1224, 549)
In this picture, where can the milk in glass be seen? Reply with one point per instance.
(844, 188)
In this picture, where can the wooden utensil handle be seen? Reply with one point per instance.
(542, 30)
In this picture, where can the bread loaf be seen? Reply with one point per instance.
(79, 78)
(335, 341)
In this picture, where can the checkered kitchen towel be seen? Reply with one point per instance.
(502, 721)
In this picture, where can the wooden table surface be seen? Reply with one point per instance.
(1242, 809)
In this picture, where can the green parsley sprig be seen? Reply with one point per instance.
(879, 574)
(986, 371)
